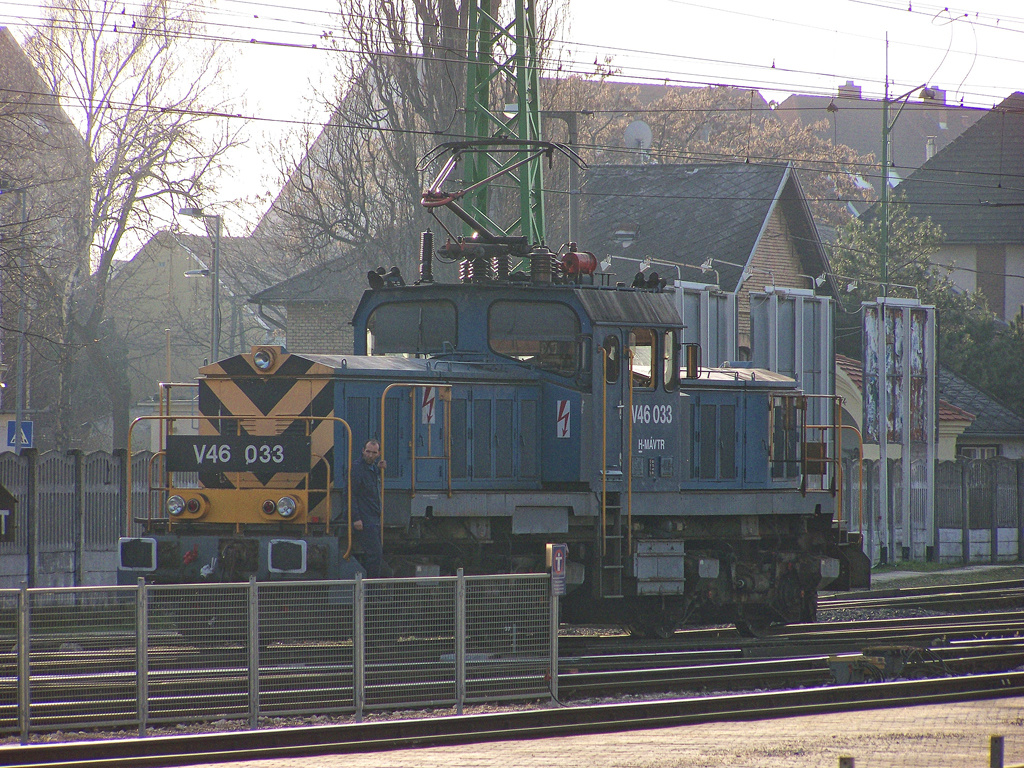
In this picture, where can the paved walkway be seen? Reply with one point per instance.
(934, 736)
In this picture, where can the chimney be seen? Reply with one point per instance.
(929, 148)
(849, 91)
(933, 95)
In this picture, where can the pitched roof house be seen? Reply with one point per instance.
(744, 226)
(974, 189)
(41, 152)
(972, 424)
(318, 304)
(995, 429)
(161, 299)
(926, 124)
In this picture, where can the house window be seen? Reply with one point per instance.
(979, 451)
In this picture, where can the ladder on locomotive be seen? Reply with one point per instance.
(613, 545)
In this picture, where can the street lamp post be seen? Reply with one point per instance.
(215, 274)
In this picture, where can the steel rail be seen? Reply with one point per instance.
(541, 722)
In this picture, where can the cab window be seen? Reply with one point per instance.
(412, 328)
(612, 363)
(670, 361)
(787, 420)
(642, 359)
(543, 334)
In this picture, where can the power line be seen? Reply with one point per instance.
(659, 75)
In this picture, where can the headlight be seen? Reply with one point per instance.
(286, 506)
(263, 359)
(175, 505)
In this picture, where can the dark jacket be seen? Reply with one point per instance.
(365, 492)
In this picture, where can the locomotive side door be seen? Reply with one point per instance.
(610, 388)
(652, 433)
(610, 394)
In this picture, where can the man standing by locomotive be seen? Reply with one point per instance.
(366, 474)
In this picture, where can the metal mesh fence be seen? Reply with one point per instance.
(1005, 492)
(81, 658)
(305, 648)
(9, 660)
(949, 503)
(507, 637)
(137, 657)
(71, 511)
(410, 648)
(201, 669)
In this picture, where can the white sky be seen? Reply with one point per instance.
(975, 52)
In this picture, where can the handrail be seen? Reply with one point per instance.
(165, 395)
(447, 434)
(604, 451)
(833, 428)
(860, 479)
(837, 428)
(629, 451)
(307, 419)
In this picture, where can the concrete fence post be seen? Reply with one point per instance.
(994, 511)
(31, 516)
(1019, 475)
(122, 458)
(79, 515)
(965, 511)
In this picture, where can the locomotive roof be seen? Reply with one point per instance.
(743, 374)
(303, 364)
(621, 306)
(603, 304)
(410, 367)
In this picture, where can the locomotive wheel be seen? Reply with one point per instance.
(796, 602)
(650, 624)
(809, 609)
(790, 602)
(753, 621)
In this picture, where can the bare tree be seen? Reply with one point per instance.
(352, 190)
(708, 125)
(144, 95)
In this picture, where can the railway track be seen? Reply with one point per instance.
(805, 639)
(980, 596)
(712, 659)
(395, 734)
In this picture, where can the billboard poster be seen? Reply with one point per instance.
(895, 370)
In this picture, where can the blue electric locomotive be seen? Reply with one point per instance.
(513, 412)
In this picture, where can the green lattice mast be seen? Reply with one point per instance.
(503, 57)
